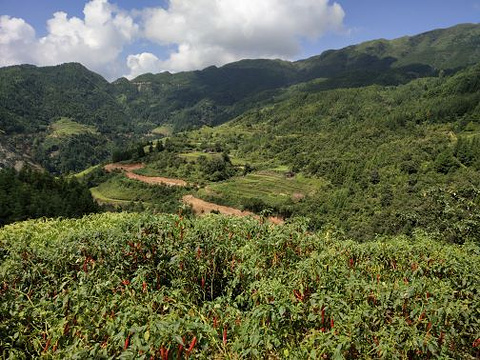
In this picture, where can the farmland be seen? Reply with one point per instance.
(273, 187)
(67, 127)
(137, 286)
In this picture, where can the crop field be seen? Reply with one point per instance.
(121, 191)
(103, 199)
(271, 186)
(68, 127)
(117, 188)
(194, 155)
(167, 287)
(165, 130)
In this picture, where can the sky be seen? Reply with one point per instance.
(118, 38)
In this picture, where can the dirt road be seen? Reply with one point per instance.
(152, 180)
(204, 207)
(199, 206)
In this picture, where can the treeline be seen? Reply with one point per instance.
(390, 156)
(28, 194)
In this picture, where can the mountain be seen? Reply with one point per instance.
(60, 115)
(66, 117)
(366, 161)
(215, 95)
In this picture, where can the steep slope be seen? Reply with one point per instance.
(31, 97)
(215, 95)
(391, 158)
(59, 115)
(63, 116)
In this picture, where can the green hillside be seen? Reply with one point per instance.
(122, 112)
(35, 103)
(364, 161)
(215, 95)
(139, 286)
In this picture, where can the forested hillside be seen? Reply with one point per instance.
(62, 116)
(392, 158)
(95, 117)
(29, 194)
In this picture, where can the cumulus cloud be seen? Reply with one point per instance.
(96, 41)
(143, 63)
(16, 40)
(208, 32)
(198, 33)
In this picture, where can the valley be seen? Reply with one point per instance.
(265, 209)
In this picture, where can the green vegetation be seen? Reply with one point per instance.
(32, 99)
(119, 191)
(370, 153)
(67, 127)
(387, 156)
(30, 194)
(136, 286)
(262, 190)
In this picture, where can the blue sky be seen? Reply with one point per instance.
(125, 38)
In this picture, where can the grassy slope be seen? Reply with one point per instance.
(274, 188)
(127, 285)
(67, 127)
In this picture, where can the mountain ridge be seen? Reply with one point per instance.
(33, 98)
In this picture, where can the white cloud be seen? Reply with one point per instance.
(218, 31)
(200, 32)
(16, 40)
(143, 63)
(96, 41)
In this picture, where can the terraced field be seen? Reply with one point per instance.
(271, 186)
(67, 127)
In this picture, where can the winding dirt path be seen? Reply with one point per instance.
(203, 207)
(199, 206)
(126, 167)
(156, 180)
(152, 180)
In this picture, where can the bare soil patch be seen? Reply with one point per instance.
(152, 180)
(204, 207)
(124, 167)
(156, 180)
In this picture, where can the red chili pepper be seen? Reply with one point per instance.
(422, 316)
(192, 344)
(225, 335)
(144, 287)
(47, 345)
(331, 323)
(440, 338)
(164, 353)
(180, 350)
(126, 282)
(215, 324)
(203, 282)
(476, 343)
(127, 342)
